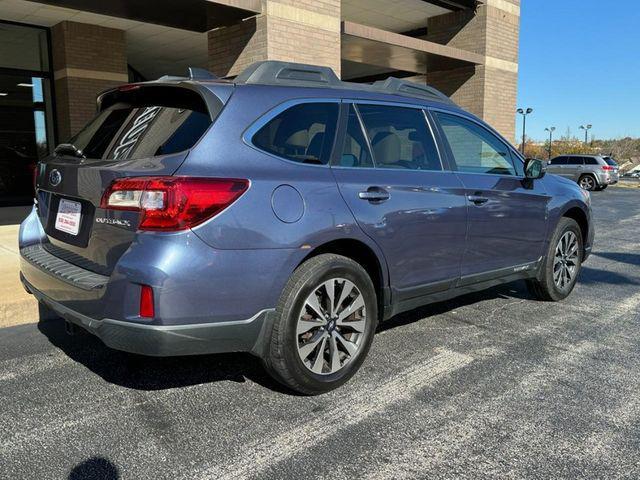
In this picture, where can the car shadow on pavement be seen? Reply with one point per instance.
(94, 468)
(154, 373)
(629, 258)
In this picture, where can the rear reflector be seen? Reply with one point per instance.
(173, 203)
(146, 302)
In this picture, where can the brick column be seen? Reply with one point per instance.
(87, 59)
(488, 90)
(305, 31)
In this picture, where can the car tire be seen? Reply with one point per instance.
(312, 354)
(588, 182)
(562, 264)
(602, 187)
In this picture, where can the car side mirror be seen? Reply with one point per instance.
(534, 169)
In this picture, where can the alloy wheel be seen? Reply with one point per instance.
(587, 183)
(565, 262)
(331, 326)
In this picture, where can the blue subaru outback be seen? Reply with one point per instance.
(285, 213)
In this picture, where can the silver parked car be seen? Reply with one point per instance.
(591, 172)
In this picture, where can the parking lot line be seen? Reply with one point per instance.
(349, 410)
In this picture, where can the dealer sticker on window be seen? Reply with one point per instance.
(68, 217)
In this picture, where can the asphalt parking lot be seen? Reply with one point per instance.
(491, 385)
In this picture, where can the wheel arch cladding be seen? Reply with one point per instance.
(577, 214)
(361, 253)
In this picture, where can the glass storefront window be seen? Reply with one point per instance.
(25, 110)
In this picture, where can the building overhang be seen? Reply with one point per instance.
(454, 5)
(393, 51)
(193, 15)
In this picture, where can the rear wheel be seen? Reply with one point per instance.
(562, 264)
(587, 182)
(324, 325)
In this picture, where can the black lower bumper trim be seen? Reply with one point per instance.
(168, 340)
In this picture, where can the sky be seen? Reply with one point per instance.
(580, 64)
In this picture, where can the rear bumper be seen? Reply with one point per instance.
(167, 340)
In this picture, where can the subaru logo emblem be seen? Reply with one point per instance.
(55, 177)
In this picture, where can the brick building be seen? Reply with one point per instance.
(57, 55)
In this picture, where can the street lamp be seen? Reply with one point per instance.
(524, 114)
(586, 129)
(550, 130)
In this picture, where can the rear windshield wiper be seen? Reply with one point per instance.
(69, 149)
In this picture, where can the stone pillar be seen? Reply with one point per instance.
(87, 59)
(488, 90)
(304, 31)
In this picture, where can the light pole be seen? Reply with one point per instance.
(550, 130)
(586, 129)
(524, 114)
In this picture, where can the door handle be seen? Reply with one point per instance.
(477, 199)
(374, 194)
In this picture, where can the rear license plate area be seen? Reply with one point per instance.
(66, 224)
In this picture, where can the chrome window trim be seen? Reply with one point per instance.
(248, 134)
(489, 129)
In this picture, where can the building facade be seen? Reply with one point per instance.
(57, 55)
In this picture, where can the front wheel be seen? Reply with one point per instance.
(559, 272)
(325, 323)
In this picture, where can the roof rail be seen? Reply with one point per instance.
(402, 87)
(273, 72)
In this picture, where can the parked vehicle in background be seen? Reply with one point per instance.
(591, 172)
(285, 214)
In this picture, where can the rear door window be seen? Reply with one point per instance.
(146, 126)
(303, 133)
(400, 138)
(355, 150)
(590, 161)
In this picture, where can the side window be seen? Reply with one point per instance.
(303, 133)
(590, 161)
(475, 149)
(355, 151)
(574, 161)
(559, 161)
(399, 137)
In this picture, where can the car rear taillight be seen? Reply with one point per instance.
(146, 302)
(608, 168)
(173, 203)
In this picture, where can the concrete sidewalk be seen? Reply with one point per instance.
(16, 305)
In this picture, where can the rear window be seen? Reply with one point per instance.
(610, 161)
(559, 161)
(303, 133)
(146, 123)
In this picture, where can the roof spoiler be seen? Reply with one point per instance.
(194, 74)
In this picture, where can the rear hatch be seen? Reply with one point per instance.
(140, 130)
(612, 163)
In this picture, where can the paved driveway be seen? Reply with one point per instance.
(490, 385)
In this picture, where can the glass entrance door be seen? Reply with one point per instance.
(26, 132)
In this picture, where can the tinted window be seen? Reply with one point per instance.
(590, 161)
(303, 133)
(574, 161)
(399, 137)
(610, 161)
(559, 161)
(145, 126)
(355, 151)
(475, 149)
